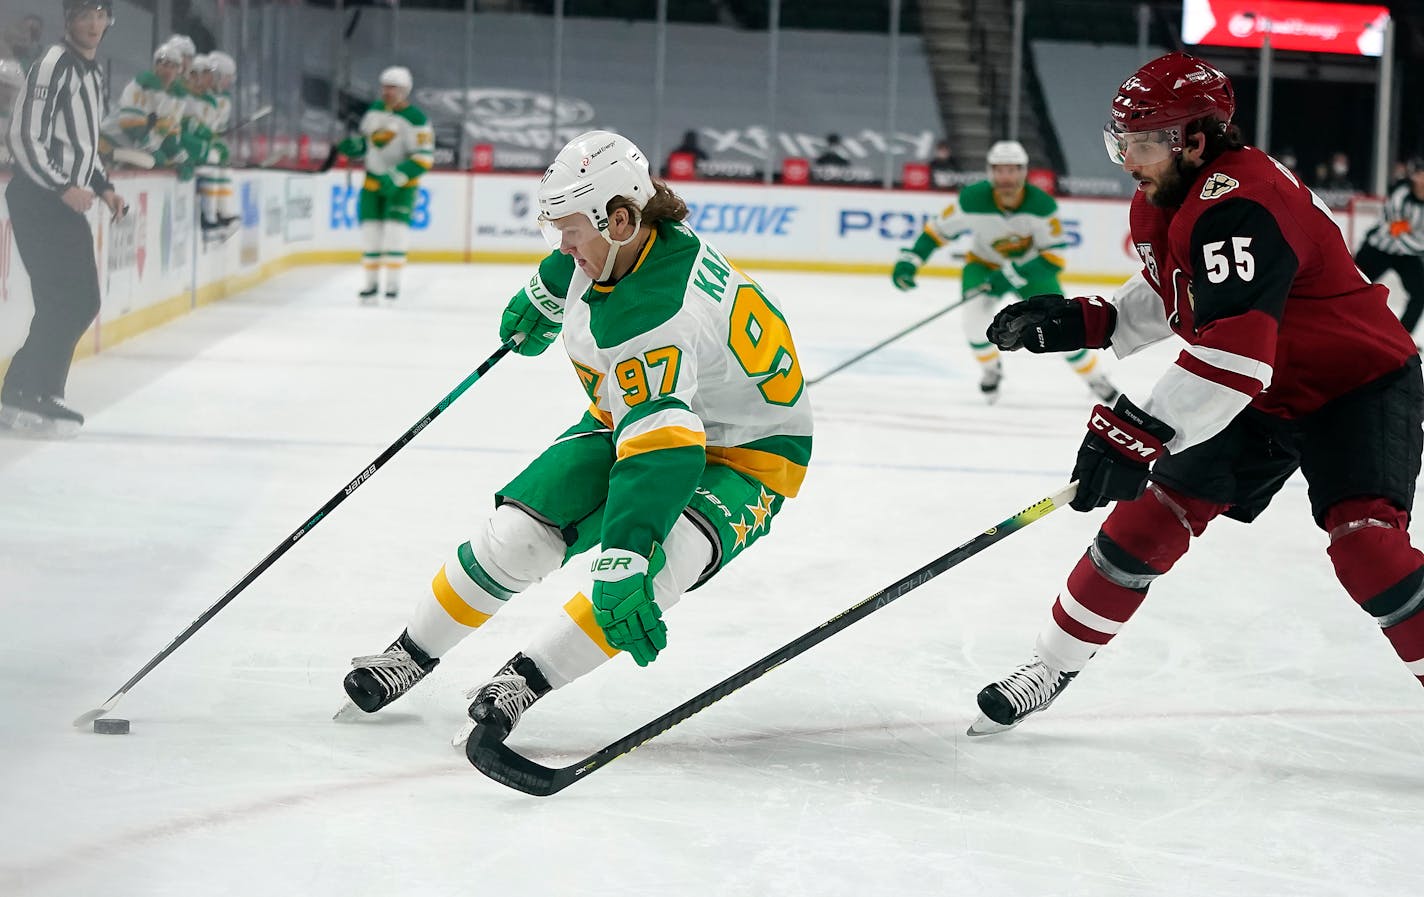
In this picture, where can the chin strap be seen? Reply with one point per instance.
(617, 245)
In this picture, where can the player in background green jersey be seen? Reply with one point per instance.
(1015, 253)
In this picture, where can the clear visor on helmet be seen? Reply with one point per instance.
(1140, 147)
(577, 226)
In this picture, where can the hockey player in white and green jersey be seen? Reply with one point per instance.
(147, 118)
(699, 428)
(1016, 252)
(398, 146)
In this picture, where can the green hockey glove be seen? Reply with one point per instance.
(384, 185)
(906, 268)
(623, 605)
(352, 146)
(534, 313)
(1006, 279)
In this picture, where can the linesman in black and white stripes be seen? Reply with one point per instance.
(1398, 242)
(54, 138)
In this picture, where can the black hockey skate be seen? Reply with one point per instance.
(1103, 388)
(500, 702)
(392, 295)
(379, 679)
(1028, 689)
(368, 295)
(32, 414)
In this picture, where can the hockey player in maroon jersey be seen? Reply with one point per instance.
(1292, 361)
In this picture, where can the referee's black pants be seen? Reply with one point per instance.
(57, 247)
(1410, 268)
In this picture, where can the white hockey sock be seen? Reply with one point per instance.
(573, 645)
(209, 187)
(397, 237)
(511, 553)
(371, 236)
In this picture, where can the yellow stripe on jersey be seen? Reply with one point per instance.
(771, 470)
(935, 234)
(458, 609)
(1053, 259)
(604, 417)
(661, 438)
(580, 610)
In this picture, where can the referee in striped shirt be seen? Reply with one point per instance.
(54, 138)
(1398, 242)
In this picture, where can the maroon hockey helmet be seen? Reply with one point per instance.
(1159, 101)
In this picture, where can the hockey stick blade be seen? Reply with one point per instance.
(504, 349)
(488, 753)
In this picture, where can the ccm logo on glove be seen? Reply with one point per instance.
(1127, 442)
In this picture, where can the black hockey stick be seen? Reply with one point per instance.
(497, 760)
(975, 294)
(91, 715)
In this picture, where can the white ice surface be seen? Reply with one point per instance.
(1250, 733)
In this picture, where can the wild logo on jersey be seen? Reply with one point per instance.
(383, 137)
(1013, 245)
(592, 380)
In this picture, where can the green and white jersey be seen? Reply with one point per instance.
(1003, 235)
(689, 362)
(222, 119)
(146, 114)
(398, 142)
(201, 109)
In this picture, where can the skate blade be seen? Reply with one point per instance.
(462, 736)
(28, 425)
(985, 726)
(348, 712)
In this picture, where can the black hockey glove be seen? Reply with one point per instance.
(1115, 456)
(1053, 323)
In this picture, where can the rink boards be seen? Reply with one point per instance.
(155, 265)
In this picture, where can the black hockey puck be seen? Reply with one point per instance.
(111, 726)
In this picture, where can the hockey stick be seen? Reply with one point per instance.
(252, 119)
(974, 294)
(491, 756)
(89, 716)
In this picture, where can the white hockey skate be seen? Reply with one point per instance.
(989, 382)
(1028, 689)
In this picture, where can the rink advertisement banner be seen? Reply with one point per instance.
(1344, 28)
(800, 227)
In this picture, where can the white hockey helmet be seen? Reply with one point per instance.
(169, 52)
(1008, 152)
(184, 43)
(397, 76)
(201, 63)
(589, 171)
(223, 64)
